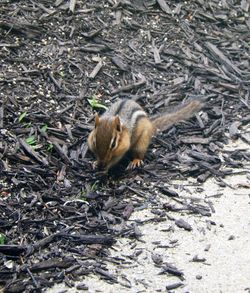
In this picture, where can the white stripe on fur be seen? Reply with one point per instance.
(135, 115)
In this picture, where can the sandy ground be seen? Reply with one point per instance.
(221, 243)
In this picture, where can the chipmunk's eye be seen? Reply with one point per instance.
(113, 143)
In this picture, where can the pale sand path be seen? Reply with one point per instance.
(227, 265)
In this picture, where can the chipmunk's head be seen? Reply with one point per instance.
(109, 141)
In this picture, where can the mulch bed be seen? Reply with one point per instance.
(58, 214)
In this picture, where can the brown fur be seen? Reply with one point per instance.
(136, 138)
(100, 138)
(183, 112)
(141, 138)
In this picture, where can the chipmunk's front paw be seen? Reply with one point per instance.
(135, 163)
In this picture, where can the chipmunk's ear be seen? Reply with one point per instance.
(97, 120)
(117, 123)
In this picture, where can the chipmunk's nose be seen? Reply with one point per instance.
(101, 165)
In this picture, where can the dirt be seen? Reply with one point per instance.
(214, 259)
(63, 61)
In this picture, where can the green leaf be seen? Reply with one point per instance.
(27, 125)
(50, 147)
(95, 104)
(94, 186)
(22, 116)
(44, 128)
(62, 74)
(31, 140)
(2, 239)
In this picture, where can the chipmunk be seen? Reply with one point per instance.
(126, 127)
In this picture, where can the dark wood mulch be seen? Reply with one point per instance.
(58, 215)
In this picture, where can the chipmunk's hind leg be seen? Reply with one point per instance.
(141, 140)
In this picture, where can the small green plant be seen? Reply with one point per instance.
(50, 147)
(2, 239)
(31, 140)
(95, 104)
(22, 116)
(89, 189)
(94, 187)
(27, 125)
(44, 128)
(62, 74)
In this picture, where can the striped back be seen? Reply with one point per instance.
(128, 111)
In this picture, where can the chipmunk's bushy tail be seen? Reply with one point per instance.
(182, 112)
